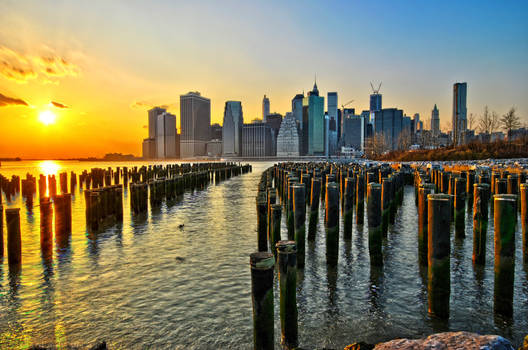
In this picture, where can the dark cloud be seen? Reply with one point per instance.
(11, 101)
(59, 105)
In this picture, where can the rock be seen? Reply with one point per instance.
(449, 340)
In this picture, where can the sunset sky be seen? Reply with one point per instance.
(99, 65)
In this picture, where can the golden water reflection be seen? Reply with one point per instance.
(49, 167)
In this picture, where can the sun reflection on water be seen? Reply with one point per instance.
(49, 167)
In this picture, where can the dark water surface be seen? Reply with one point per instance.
(148, 283)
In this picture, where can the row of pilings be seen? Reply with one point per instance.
(296, 190)
(103, 198)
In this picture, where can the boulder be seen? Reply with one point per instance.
(448, 341)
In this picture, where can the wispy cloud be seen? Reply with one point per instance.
(149, 105)
(11, 101)
(46, 65)
(58, 104)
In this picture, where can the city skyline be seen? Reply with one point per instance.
(101, 80)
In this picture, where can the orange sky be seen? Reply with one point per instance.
(105, 63)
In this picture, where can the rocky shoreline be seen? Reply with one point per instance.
(437, 341)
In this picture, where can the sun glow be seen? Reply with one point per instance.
(47, 117)
(49, 167)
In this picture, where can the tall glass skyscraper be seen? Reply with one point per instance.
(297, 106)
(459, 113)
(265, 108)
(232, 129)
(332, 123)
(313, 132)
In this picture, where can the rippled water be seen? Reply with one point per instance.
(148, 283)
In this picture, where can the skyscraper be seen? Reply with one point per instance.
(297, 106)
(288, 137)
(313, 132)
(265, 108)
(258, 140)
(389, 122)
(375, 101)
(332, 123)
(435, 121)
(166, 136)
(152, 119)
(459, 113)
(195, 123)
(232, 129)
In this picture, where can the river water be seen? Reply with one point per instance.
(151, 283)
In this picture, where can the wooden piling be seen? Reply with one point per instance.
(14, 240)
(299, 210)
(314, 208)
(262, 265)
(287, 261)
(438, 252)
(360, 190)
(524, 220)
(261, 222)
(460, 207)
(332, 223)
(46, 233)
(423, 191)
(374, 217)
(481, 194)
(504, 243)
(348, 205)
(275, 223)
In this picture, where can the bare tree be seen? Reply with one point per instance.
(488, 122)
(404, 140)
(376, 145)
(510, 121)
(471, 120)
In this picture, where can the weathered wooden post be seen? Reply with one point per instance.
(360, 190)
(438, 252)
(332, 223)
(481, 194)
(348, 206)
(275, 223)
(14, 240)
(374, 223)
(385, 204)
(423, 191)
(287, 262)
(524, 219)
(46, 233)
(504, 237)
(272, 199)
(261, 222)
(299, 210)
(262, 264)
(460, 207)
(314, 208)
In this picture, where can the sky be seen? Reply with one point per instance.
(100, 65)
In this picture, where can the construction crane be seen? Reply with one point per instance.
(346, 104)
(374, 90)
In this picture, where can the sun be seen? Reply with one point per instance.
(47, 117)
